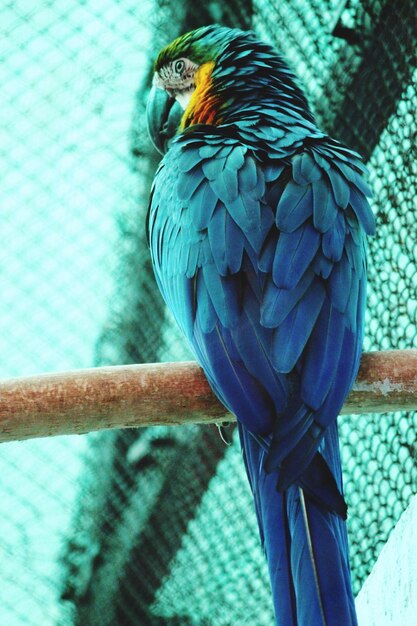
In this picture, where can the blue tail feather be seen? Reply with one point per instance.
(305, 543)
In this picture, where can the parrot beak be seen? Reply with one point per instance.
(164, 116)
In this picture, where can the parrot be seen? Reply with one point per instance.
(257, 226)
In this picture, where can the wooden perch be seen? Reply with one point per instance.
(168, 393)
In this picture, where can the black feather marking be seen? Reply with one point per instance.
(322, 265)
(320, 486)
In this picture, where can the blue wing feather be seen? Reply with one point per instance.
(247, 175)
(322, 265)
(292, 334)
(212, 167)
(251, 342)
(277, 302)
(324, 206)
(339, 283)
(267, 252)
(223, 291)
(294, 253)
(191, 182)
(225, 185)
(339, 187)
(226, 241)
(361, 207)
(288, 268)
(334, 239)
(354, 252)
(246, 211)
(304, 169)
(204, 202)
(263, 264)
(235, 159)
(205, 314)
(294, 206)
(326, 340)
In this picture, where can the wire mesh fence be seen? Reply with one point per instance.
(156, 526)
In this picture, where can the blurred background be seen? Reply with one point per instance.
(156, 526)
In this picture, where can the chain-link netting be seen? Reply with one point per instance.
(156, 527)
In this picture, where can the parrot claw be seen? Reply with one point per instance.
(225, 431)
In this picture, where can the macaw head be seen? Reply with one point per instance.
(183, 69)
(178, 67)
(208, 75)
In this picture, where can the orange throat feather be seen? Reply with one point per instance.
(204, 104)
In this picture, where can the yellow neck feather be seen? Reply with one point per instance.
(202, 86)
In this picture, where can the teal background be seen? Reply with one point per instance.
(95, 529)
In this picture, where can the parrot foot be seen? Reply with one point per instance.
(226, 432)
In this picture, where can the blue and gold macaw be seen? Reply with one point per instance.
(257, 229)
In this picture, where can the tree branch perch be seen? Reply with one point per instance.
(168, 393)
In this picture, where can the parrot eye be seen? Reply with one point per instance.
(179, 66)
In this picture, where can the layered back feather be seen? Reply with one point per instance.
(257, 229)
